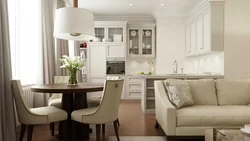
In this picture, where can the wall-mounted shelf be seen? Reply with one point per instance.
(150, 98)
(150, 88)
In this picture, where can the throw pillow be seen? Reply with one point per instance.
(179, 93)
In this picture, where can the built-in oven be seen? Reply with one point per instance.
(115, 65)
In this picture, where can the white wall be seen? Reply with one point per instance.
(213, 62)
(170, 42)
(237, 39)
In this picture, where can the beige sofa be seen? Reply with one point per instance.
(218, 103)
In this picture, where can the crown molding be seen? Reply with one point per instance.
(205, 3)
(160, 15)
(129, 17)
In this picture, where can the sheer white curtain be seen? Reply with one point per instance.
(24, 36)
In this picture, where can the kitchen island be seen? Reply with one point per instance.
(147, 87)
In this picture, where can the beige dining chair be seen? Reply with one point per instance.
(30, 117)
(56, 99)
(106, 112)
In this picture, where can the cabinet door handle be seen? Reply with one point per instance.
(108, 50)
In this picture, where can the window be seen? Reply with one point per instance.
(25, 38)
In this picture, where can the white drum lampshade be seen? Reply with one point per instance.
(74, 24)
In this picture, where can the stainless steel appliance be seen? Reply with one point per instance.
(115, 66)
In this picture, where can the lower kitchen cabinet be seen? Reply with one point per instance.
(133, 85)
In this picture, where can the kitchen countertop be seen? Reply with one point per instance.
(177, 76)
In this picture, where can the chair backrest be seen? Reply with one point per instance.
(113, 77)
(110, 101)
(22, 109)
(58, 80)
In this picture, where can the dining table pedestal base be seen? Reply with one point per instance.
(71, 129)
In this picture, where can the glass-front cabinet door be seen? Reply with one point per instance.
(141, 42)
(115, 34)
(100, 34)
(134, 41)
(147, 42)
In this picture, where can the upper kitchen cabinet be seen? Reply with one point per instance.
(205, 29)
(113, 32)
(141, 41)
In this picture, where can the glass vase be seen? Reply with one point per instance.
(72, 78)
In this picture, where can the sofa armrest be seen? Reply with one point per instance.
(165, 112)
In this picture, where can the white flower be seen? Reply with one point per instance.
(72, 63)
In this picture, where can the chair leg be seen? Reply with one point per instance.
(30, 131)
(52, 128)
(157, 124)
(118, 122)
(23, 128)
(116, 130)
(98, 133)
(103, 128)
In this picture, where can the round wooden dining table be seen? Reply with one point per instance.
(73, 98)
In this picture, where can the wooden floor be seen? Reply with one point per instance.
(133, 122)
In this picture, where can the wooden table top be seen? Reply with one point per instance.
(65, 88)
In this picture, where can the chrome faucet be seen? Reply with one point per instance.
(176, 67)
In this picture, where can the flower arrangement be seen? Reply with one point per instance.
(72, 64)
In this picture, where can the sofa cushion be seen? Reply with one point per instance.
(179, 93)
(203, 91)
(210, 115)
(233, 92)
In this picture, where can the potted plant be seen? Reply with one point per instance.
(72, 64)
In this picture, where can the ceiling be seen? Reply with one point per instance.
(140, 7)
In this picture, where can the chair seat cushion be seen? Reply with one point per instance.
(213, 116)
(56, 102)
(54, 114)
(78, 115)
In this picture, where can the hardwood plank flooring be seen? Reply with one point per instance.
(133, 122)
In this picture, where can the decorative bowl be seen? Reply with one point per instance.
(97, 40)
(133, 33)
(148, 33)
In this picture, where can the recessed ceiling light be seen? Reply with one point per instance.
(162, 4)
(130, 4)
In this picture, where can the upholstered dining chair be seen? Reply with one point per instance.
(33, 116)
(106, 112)
(56, 99)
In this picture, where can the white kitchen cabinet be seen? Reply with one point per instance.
(97, 67)
(97, 60)
(133, 84)
(193, 38)
(110, 32)
(112, 35)
(115, 50)
(207, 29)
(188, 40)
(141, 41)
(207, 33)
(199, 35)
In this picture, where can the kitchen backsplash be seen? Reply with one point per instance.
(134, 66)
(213, 62)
